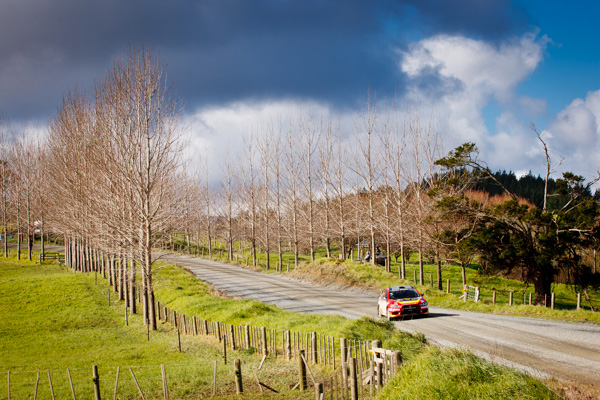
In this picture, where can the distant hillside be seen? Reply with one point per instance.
(527, 186)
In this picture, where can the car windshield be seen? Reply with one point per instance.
(403, 294)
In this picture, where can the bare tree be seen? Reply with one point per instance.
(365, 165)
(310, 138)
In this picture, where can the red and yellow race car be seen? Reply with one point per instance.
(400, 301)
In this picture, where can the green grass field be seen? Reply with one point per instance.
(54, 319)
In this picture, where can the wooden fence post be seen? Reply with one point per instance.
(96, 381)
(313, 345)
(71, 384)
(494, 297)
(353, 380)
(237, 364)
(578, 301)
(116, 383)
(163, 373)
(530, 295)
(50, 383)
(247, 335)
(552, 301)
(232, 334)
(265, 350)
(396, 361)
(302, 371)
(447, 286)
(319, 391)
(510, 298)
(288, 345)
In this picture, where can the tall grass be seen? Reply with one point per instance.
(459, 375)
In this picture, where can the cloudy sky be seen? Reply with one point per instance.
(485, 69)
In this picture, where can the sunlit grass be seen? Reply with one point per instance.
(457, 375)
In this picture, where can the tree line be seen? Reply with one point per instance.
(110, 178)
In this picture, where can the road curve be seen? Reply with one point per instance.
(544, 348)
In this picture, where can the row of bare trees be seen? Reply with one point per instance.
(310, 183)
(106, 177)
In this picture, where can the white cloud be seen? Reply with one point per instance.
(220, 132)
(478, 74)
(575, 135)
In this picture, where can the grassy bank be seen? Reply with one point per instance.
(457, 375)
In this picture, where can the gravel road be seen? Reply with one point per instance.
(544, 348)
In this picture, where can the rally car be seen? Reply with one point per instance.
(400, 301)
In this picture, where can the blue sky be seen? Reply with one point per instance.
(571, 66)
(483, 69)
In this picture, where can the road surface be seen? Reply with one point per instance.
(544, 348)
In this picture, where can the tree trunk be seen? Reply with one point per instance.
(439, 274)
(543, 289)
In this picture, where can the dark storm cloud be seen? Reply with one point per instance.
(491, 20)
(226, 50)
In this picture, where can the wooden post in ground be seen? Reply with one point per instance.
(247, 335)
(214, 390)
(344, 365)
(396, 361)
(530, 295)
(494, 297)
(379, 373)
(313, 347)
(163, 373)
(96, 381)
(510, 298)
(319, 391)
(353, 380)
(302, 371)
(376, 344)
(137, 385)
(231, 333)
(116, 384)
(178, 340)
(70, 384)
(448, 286)
(288, 345)
(37, 382)
(578, 301)
(265, 350)
(552, 301)
(237, 366)
(50, 382)
(371, 378)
